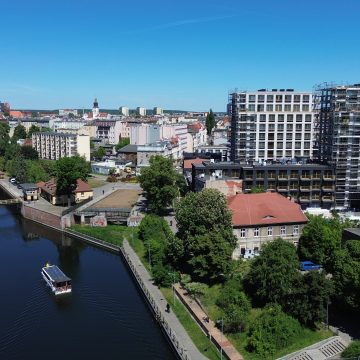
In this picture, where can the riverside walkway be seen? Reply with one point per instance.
(169, 321)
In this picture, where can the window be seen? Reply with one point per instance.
(296, 230)
(307, 127)
(269, 230)
(82, 194)
(256, 232)
(278, 98)
(307, 118)
(262, 127)
(296, 108)
(297, 98)
(252, 98)
(289, 127)
(269, 107)
(262, 117)
(261, 98)
(306, 98)
(271, 117)
(252, 107)
(282, 230)
(270, 98)
(260, 107)
(278, 107)
(242, 233)
(288, 98)
(299, 118)
(290, 117)
(281, 118)
(305, 108)
(287, 107)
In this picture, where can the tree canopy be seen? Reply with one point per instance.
(4, 137)
(319, 240)
(123, 142)
(210, 122)
(19, 133)
(29, 153)
(274, 273)
(33, 129)
(205, 233)
(161, 183)
(68, 170)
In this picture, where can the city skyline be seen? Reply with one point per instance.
(179, 56)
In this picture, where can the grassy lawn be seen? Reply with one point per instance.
(94, 182)
(306, 338)
(113, 234)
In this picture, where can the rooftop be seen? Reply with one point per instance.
(264, 209)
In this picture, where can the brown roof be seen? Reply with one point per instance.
(82, 186)
(263, 209)
(189, 162)
(40, 184)
(50, 186)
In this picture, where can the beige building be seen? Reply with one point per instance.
(158, 110)
(53, 146)
(260, 218)
(141, 111)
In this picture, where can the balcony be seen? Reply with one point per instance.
(305, 177)
(294, 188)
(315, 198)
(283, 177)
(271, 178)
(327, 198)
(316, 188)
(328, 188)
(282, 188)
(260, 176)
(294, 176)
(316, 176)
(248, 177)
(304, 199)
(305, 188)
(328, 177)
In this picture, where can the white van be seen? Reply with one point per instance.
(13, 180)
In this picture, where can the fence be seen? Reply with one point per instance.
(157, 312)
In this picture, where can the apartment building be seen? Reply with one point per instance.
(268, 125)
(158, 110)
(166, 148)
(108, 131)
(124, 111)
(310, 185)
(141, 111)
(260, 218)
(53, 146)
(338, 141)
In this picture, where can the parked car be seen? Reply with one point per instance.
(308, 265)
(12, 180)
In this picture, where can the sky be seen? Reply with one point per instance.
(184, 55)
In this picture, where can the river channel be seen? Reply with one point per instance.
(105, 317)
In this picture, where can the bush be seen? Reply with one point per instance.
(271, 331)
(162, 275)
(352, 351)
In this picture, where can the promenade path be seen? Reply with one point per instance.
(191, 350)
(208, 326)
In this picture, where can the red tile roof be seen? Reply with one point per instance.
(263, 209)
(82, 186)
(16, 114)
(50, 186)
(188, 162)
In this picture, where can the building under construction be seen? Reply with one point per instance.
(338, 138)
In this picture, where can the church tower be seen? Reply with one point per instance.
(95, 109)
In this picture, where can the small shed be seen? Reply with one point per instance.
(30, 191)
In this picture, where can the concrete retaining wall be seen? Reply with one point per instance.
(41, 217)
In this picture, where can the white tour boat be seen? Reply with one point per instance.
(56, 279)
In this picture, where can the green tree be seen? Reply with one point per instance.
(123, 142)
(205, 231)
(29, 153)
(12, 151)
(271, 331)
(19, 133)
(308, 303)
(4, 138)
(210, 122)
(99, 153)
(160, 182)
(35, 171)
(319, 240)
(346, 275)
(68, 170)
(19, 169)
(352, 351)
(274, 273)
(257, 189)
(33, 129)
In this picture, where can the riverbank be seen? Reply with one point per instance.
(175, 332)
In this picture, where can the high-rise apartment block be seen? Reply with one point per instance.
(157, 110)
(141, 111)
(270, 125)
(53, 146)
(338, 141)
(124, 110)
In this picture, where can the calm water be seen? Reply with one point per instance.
(104, 317)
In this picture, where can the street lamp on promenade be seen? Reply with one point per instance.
(173, 285)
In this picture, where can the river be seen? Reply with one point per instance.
(105, 317)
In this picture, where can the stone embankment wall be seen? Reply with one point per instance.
(42, 217)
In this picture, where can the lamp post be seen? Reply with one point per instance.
(173, 286)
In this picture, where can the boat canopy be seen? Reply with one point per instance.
(55, 274)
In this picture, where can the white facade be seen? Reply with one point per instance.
(141, 111)
(59, 125)
(108, 131)
(124, 110)
(158, 110)
(269, 125)
(66, 112)
(53, 146)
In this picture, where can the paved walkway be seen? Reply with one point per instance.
(208, 326)
(11, 188)
(183, 338)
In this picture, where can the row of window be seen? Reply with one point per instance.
(279, 154)
(256, 231)
(278, 98)
(287, 145)
(277, 107)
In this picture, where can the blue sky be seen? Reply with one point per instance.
(170, 53)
